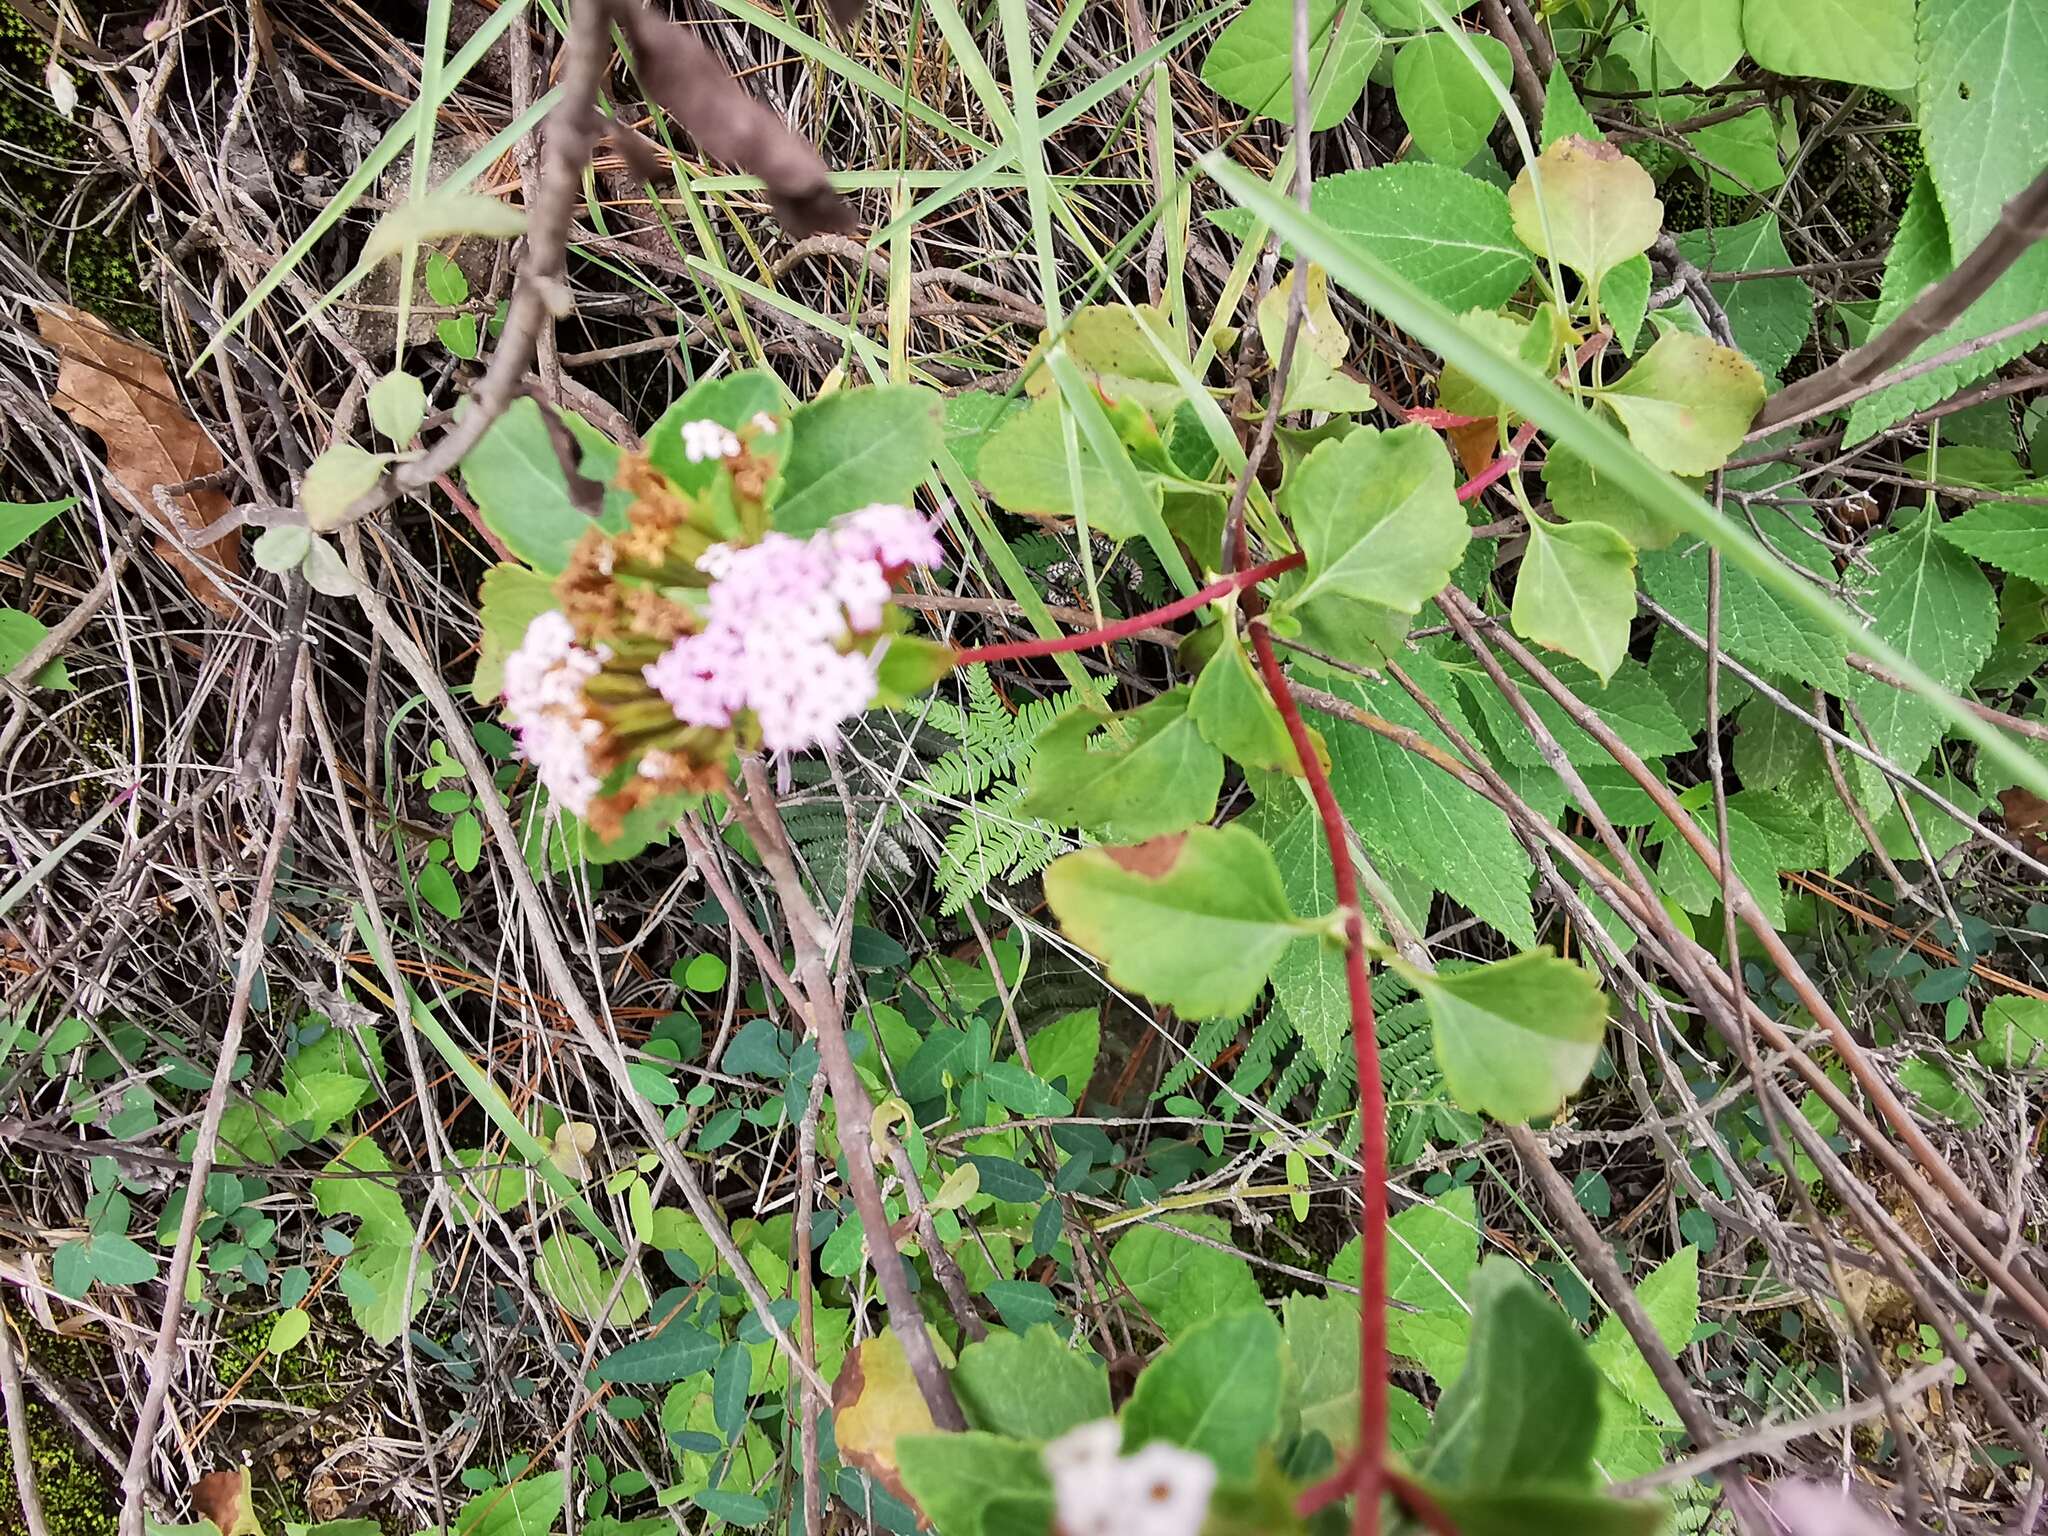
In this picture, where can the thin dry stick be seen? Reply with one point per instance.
(2023, 221)
(135, 1478)
(17, 1433)
(808, 1403)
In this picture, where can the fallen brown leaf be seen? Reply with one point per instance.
(223, 1498)
(1475, 444)
(120, 390)
(2026, 818)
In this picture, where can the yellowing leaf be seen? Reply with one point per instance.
(440, 215)
(334, 481)
(1588, 205)
(875, 1401)
(1316, 381)
(1687, 403)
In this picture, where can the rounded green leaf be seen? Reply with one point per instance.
(288, 1328)
(1448, 105)
(1378, 517)
(1146, 773)
(334, 481)
(1517, 1037)
(1576, 592)
(1194, 920)
(1248, 64)
(1215, 1391)
(398, 404)
(282, 548)
(1863, 42)
(1448, 233)
(1579, 493)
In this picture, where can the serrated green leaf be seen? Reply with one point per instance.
(1446, 103)
(1146, 773)
(2008, 534)
(570, 1274)
(1194, 920)
(1448, 233)
(1983, 100)
(1183, 1281)
(374, 1279)
(1770, 316)
(1670, 1294)
(732, 401)
(1517, 1037)
(1062, 1387)
(512, 598)
(1216, 1390)
(1023, 464)
(1687, 403)
(1576, 592)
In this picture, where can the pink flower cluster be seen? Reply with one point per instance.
(544, 681)
(779, 612)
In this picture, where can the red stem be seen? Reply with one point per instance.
(1500, 466)
(1123, 629)
(1370, 1474)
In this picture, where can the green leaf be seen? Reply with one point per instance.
(21, 633)
(954, 1478)
(1409, 15)
(1517, 1037)
(1923, 252)
(446, 281)
(1448, 233)
(732, 401)
(1758, 854)
(1235, 714)
(530, 1507)
(349, 1185)
(333, 482)
(1983, 103)
(2015, 1032)
(512, 598)
(1932, 602)
(1417, 817)
(1671, 1296)
(288, 1329)
(1030, 1386)
(855, 447)
(439, 214)
(1687, 403)
(570, 1274)
(1023, 465)
(1216, 1390)
(676, 1353)
(1588, 205)
(1563, 113)
(1066, 1050)
(1248, 64)
(1631, 704)
(19, 519)
(518, 485)
(282, 548)
(1149, 771)
(1378, 518)
(1703, 37)
(1864, 42)
(2008, 534)
(1182, 1281)
(1576, 592)
(1194, 920)
(1741, 154)
(1446, 103)
(374, 1281)
(398, 404)
(1581, 494)
(1757, 624)
(1545, 1511)
(1526, 1408)
(1322, 1347)
(1770, 316)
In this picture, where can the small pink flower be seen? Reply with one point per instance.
(544, 680)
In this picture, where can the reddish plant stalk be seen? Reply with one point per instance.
(1501, 465)
(1368, 1470)
(1123, 629)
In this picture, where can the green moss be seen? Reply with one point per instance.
(78, 1498)
(96, 264)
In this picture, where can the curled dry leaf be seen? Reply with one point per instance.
(120, 390)
(223, 1498)
(689, 82)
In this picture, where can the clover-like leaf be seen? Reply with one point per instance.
(1687, 402)
(1514, 1038)
(1588, 205)
(1576, 592)
(1195, 920)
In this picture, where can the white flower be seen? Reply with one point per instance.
(704, 440)
(1161, 1490)
(544, 681)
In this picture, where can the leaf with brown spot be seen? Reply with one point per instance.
(120, 391)
(874, 1400)
(692, 86)
(223, 1498)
